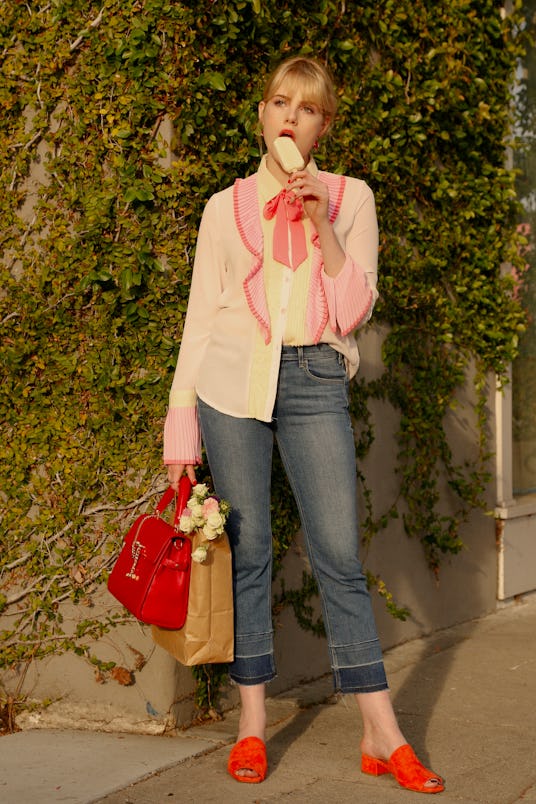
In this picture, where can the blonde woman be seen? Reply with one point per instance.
(285, 272)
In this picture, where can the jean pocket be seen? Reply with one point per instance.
(327, 369)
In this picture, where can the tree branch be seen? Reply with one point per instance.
(93, 24)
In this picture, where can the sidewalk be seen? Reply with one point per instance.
(465, 697)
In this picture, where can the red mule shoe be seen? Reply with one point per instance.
(248, 754)
(408, 771)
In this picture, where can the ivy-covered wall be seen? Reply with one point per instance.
(98, 236)
(524, 374)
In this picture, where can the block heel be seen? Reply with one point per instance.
(373, 766)
(408, 771)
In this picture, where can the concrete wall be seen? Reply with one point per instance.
(150, 693)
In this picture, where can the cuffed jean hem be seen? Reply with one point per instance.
(249, 681)
(370, 678)
(252, 670)
(253, 660)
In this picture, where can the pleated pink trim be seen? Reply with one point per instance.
(247, 217)
(182, 436)
(318, 312)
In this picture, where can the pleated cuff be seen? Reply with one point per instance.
(349, 296)
(182, 436)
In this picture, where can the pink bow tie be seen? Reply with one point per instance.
(288, 212)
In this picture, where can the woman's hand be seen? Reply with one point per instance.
(315, 198)
(175, 472)
(314, 195)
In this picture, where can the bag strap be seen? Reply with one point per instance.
(185, 490)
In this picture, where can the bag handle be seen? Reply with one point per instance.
(182, 497)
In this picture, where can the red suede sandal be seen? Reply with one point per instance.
(408, 771)
(248, 754)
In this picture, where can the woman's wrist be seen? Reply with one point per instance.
(332, 253)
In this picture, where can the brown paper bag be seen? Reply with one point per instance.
(207, 636)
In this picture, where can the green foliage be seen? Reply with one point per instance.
(97, 251)
(300, 602)
(524, 374)
(209, 680)
(396, 611)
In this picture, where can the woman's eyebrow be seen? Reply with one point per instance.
(302, 100)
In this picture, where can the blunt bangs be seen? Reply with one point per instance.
(309, 78)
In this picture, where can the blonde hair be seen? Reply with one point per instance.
(312, 77)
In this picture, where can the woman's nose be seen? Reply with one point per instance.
(292, 115)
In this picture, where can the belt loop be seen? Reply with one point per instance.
(301, 358)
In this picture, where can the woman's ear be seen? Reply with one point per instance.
(325, 127)
(260, 111)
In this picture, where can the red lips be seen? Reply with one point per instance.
(287, 133)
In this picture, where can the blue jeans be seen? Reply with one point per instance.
(314, 434)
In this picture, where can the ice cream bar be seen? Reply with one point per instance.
(288, 154)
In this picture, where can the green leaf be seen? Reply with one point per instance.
(216, 81)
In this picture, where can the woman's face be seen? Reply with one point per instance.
(289, 113)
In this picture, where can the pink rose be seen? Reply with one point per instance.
(210, 506)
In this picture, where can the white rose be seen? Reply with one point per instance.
(210, 533)
(197, 513)
(186, 523)
(215, 520)
(199, 555)
(199, 491)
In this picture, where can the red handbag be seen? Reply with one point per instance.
(151, 576)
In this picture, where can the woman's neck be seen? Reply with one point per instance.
(277, 171)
